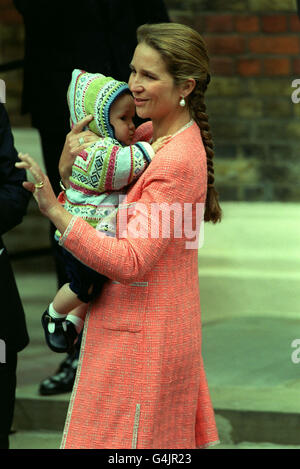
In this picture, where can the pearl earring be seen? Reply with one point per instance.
(182, 102)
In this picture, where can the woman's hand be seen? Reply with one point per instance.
(44, 194)
(41, 187)
(76, 141)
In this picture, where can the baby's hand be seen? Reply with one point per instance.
(160, 142)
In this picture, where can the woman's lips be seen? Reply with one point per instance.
(139, 101)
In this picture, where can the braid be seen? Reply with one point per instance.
(213, 211)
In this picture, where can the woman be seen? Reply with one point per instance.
(141, 382)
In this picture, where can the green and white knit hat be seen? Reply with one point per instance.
(94, 93)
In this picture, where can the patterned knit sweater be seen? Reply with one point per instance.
(99, 177)
(102, 171)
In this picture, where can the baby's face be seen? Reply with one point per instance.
(122, 112)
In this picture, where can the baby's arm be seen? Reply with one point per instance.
(109, 166)
(131, 161)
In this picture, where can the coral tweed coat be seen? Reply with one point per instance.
(140, 381)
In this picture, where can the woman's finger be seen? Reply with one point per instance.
(77, 149)
(83, 138)
(29, 186)
(90, 135)
(81, 124)
(86, 134)
(26, 158)
(22, 164)
(76, 146)
(41, 187)
(31, 165)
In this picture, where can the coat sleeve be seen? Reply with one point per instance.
(13, 197)
(110, 167)
(140, 240)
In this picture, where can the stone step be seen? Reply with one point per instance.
(52, 440)
(34, 412)
(236, 423)
(35, 440)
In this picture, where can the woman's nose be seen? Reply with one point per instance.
(134, 85)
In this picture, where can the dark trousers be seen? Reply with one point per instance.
(7, 396)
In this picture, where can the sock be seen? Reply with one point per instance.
(54, 314)
(78, 322)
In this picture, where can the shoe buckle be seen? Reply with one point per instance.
(51, 327)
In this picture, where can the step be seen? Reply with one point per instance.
(35, 440)
(34, 412)
(52, 440)
(237, 420)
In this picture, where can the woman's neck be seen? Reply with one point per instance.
(169, 125)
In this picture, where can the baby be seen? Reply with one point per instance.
(99, 175)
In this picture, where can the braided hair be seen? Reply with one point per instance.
(185, 55)
(198, 107)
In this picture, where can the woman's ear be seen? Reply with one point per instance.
(188, 87)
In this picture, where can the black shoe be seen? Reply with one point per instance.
(60, 334)
(62, 381)
(55, 333)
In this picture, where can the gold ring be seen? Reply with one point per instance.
(39, 185)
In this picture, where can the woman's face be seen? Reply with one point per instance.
(153, 89)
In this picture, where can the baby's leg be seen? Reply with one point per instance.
(66, 301)
(77, 316)
(80, 311)
(61, 334)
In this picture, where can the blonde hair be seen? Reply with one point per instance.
(185, 55)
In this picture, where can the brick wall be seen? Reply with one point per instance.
(254, 47)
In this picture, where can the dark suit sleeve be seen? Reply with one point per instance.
(13, 197)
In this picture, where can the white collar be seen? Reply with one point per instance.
(186, 126)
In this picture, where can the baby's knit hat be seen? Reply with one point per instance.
(94, 93)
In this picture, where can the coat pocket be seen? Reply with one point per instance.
(125, 306)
